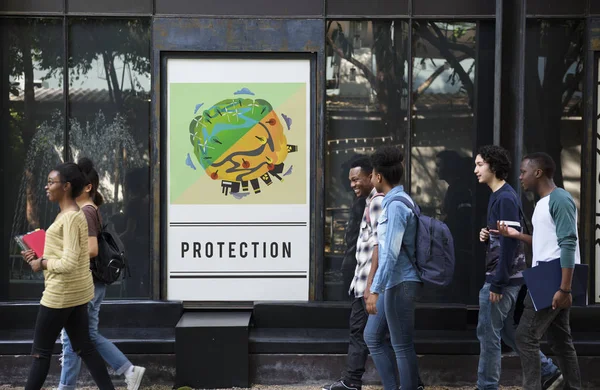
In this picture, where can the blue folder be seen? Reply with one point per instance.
(544, 280)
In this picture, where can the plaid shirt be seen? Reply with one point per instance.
(367, 240)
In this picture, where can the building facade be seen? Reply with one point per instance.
(436, 78)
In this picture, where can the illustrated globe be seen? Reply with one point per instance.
(238, 140)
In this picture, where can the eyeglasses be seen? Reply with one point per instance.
(50, 182)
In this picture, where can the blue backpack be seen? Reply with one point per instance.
(435, 248)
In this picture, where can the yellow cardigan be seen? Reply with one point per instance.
(68, 279)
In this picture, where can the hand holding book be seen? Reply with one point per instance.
(29, 255)
(34, 241)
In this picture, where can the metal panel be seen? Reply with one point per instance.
(453, 8)
(110, 6)
(556, 7)
(31, 6)
(366, 8)
(512, 83)
(241, 35)
(589, 206)
(181, 34)
(256, 8)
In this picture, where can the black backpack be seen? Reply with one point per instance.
(110, 262)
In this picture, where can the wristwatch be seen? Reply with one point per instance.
(564, 291)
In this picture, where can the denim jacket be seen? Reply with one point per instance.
(397, 231)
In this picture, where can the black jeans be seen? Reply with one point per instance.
(357, 350)
(348, 270)
(555, 323)
(48, 325)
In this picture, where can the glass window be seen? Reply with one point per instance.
(367, 93)
(443, 134)
(31, 71)
(109, 107)
(554, 71)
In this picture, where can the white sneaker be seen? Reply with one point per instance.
(133, 379)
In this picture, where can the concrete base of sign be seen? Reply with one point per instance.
(211, 350)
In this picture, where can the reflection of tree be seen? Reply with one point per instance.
(23, 39)
(390, 47)
(37, 44)
(102, 39)
(549, 91)
(388, 79)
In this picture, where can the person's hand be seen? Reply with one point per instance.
(28, 255)
(495, 298)
(372, 303)
(366, 294)
(36, 265)
(484, 234)
(506, 230)
(561, 300)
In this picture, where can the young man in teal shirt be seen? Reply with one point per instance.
(554, 236)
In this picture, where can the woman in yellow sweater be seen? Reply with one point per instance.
(68, 281)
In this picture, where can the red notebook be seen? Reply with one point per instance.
(36, 240)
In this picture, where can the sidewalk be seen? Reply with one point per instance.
(287, 387)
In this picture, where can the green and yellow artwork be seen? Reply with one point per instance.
(231, 143)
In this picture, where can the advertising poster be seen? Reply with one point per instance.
(238, 135)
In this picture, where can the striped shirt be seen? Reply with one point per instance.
(367, 240)
(68, 280)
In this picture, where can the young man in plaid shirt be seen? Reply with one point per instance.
(366, 259)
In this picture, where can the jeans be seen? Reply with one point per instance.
(555, 323)
(357, 350)
(348, 270)
(380, 347)
(496, 321)
(48, 324)
(398, 306)
(109, 352)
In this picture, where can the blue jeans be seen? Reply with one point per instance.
(496, 322)
(375, 336)
(398, 304)
(71, 362)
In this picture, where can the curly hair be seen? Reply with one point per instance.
(387, 161)
(498, 159)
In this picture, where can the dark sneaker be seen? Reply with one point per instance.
(342, 385)
(420, 387)
(555, 382)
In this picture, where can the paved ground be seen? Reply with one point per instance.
(291, 387)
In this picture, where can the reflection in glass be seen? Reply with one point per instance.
(553, 98)
(442, 180)
(109, 101)
(32, 58)
(367, 93)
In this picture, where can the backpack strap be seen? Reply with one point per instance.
(417, 212)
(415, 209)
(97, 216)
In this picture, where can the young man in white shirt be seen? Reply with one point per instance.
(554, 236)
